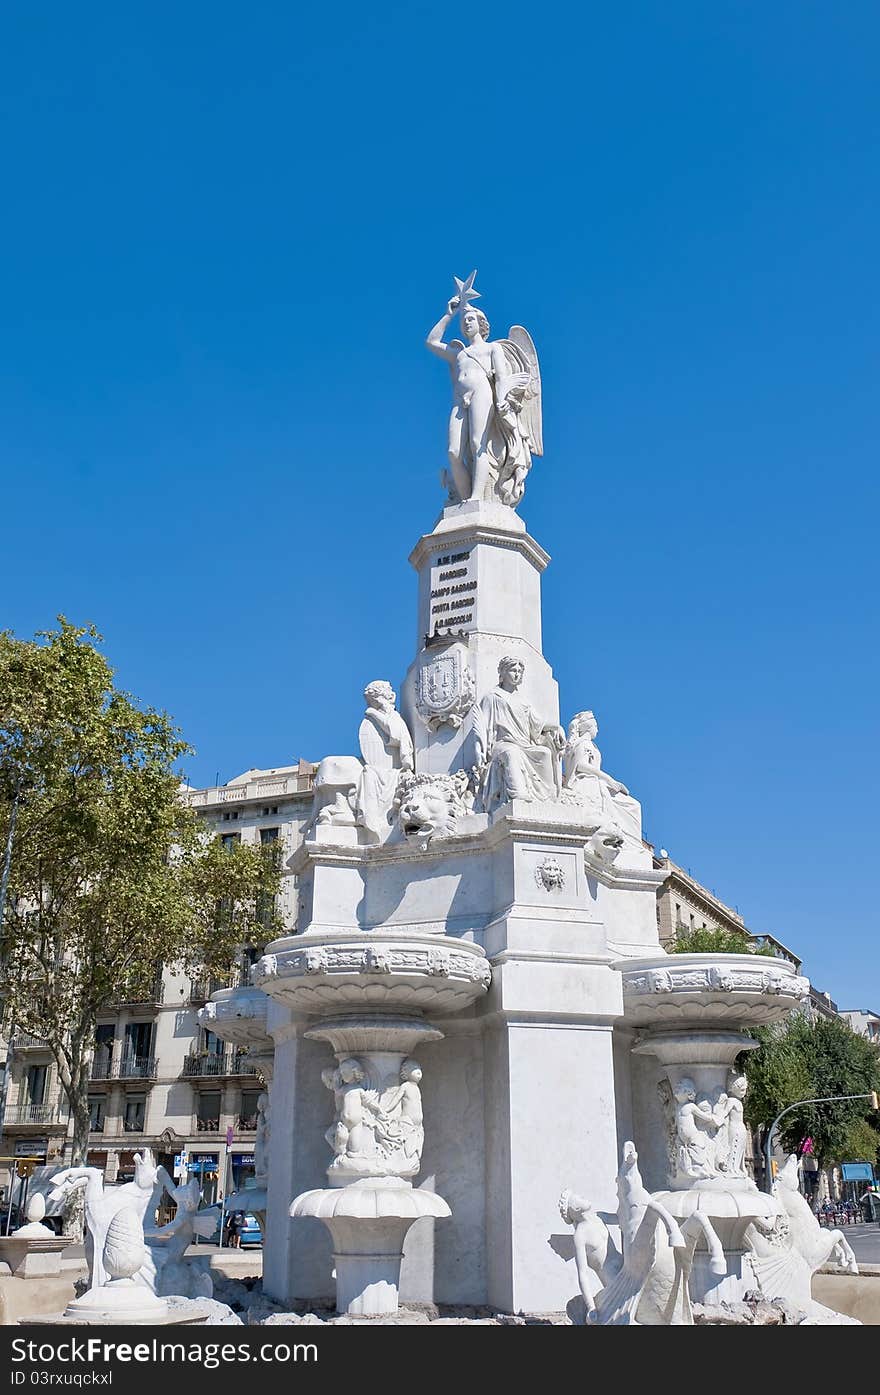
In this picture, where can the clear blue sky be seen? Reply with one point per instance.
(226, 231)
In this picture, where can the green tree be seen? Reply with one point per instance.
(112, 873)
(803, 1059)
(862, 1143)
(712, 940)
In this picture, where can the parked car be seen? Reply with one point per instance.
(250, 1233)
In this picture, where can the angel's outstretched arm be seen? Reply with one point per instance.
(434, 340)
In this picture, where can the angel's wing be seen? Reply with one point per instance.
(523, 358)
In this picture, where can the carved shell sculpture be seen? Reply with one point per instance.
(124, 1251)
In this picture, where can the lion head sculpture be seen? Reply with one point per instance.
(606, 843)
(428, 805)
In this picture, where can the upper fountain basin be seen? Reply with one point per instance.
(238, 1015)
(389, 970)
(723, 990)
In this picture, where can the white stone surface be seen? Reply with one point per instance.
(387, 749)
(518, 753)
(479, 599)
(587, 783)
(102, 1205)
(119, 1298)
(495, 425)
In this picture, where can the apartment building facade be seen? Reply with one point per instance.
(863, 1021)
(158, 1079)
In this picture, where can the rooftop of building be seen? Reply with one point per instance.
(258, 784)
(663, 862)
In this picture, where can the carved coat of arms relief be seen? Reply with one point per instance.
(445, 688)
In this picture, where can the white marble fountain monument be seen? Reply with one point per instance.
(473, 1009)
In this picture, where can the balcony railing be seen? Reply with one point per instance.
(137, 1068)
(241, 1064)
(25, 1041)
(202, 988)
(150, 997)
(247, 1123)
(204, 1065)
(267, 787)
(100, 1069)
(36, 1114)
(230, 1063)
(207, 1125)
(133, 1125)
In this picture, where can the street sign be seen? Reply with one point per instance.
(31, 1147)
(857, 1172)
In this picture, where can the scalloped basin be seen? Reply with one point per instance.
(709, 990)
(385, 972)
(238, 1015)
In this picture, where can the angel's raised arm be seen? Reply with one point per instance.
(434, 340)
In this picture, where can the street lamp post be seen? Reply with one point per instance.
(820, 1099)
(4, 883)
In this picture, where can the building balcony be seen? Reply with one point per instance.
(137, 1068)
(100, 1069)
(151, 997)
(241, 1064)
(207, 1125)
(132, 1125)
(202, 988)
(36, 1114)
(204, 1065)
(26, 1041)
(230, 1063)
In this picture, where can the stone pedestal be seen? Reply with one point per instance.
(479, 600)
(550, 1114)
(34, 1258)
(120, 1300)
(368, 1222)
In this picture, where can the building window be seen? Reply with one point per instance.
(135, 1110)
(208, 1116)
(35, 1084)
(96, 1113)
(229, 840)
(247, 1118)
(138, 1043)
(103, 1051)
(269, 835)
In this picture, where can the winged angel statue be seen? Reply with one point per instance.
(495, 425)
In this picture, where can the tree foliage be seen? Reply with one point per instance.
(803, 1059)
(112, 873)
(713, 940)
